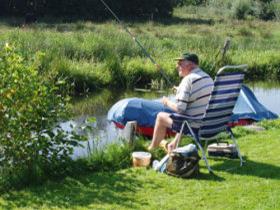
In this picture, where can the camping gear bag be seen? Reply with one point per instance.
(183, 162)
(223, 149)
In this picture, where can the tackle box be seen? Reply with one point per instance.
(222, 150)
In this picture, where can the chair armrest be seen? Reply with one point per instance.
(242, 66)
(182, 117)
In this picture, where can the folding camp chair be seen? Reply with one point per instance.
(225, 92)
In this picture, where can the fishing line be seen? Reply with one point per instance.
(138, 43)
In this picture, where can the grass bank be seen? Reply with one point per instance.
(94, 55)
(254, 186)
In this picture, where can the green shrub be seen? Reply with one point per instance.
(276, 8)
(191, 2)
(32, 145)
(241, 8)
(264, 10)
(118, 155)
(113, 157)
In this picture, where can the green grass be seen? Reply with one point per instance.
(95, 55)
(256, 185)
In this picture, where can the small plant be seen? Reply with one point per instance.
(113, 157)
(32, 144)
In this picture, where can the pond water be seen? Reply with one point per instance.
(97, 105)
(268, 95)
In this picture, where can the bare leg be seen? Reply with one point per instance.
(163, 122)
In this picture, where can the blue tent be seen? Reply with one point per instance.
(248, 107)
(145, 111)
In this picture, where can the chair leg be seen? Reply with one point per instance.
(196, 139)
(237, 147)
(205, 146)
(204, 156)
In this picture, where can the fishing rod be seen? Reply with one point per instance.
(138, 43)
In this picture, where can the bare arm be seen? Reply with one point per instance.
(166, 102)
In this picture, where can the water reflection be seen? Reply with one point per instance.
(98, 136)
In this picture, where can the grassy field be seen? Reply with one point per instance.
(94, 55)
(254, 186)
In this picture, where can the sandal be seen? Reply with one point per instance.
(164, 145)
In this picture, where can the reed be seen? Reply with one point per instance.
(95, 55)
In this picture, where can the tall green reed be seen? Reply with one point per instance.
(96, 55)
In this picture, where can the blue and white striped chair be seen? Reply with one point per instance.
(227, 84)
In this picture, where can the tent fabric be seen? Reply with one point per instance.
(145, 111)
(248, 107)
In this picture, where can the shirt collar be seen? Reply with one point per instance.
(197, 69)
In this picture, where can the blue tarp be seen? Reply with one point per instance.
(145, 111)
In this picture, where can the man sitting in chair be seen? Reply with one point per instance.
(191, 99)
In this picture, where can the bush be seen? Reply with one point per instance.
(241, 8)
(32, 145)
(118, 156)
(112, 158)
(191, 2)
(276, 8)
(263, 10)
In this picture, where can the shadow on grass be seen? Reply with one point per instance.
(250, 168)
(210, 177)
(99, 188)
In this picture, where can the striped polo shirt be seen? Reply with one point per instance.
(193, 93)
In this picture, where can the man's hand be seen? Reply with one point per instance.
(171, 105)
(171, 146)
(164, 100)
